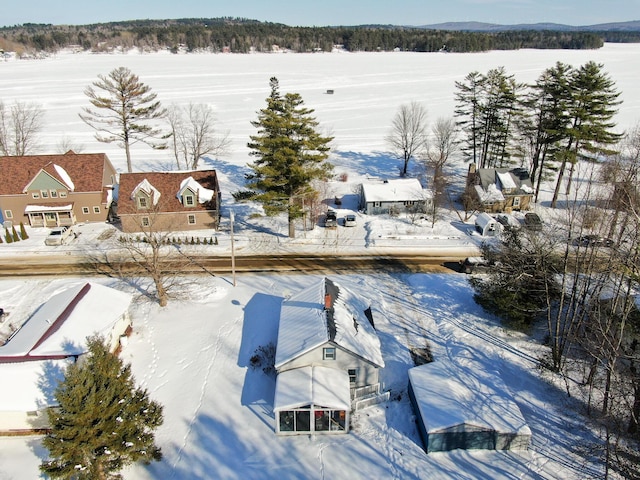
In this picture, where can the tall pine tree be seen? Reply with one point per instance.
(290, 154)
(103, 421)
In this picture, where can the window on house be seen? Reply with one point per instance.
(44, 193)
(329, 353)
(353, 375)
(85, 210)
(63, 194)
(35, 194)
(377, 204)
(191, 219)
(142, 202)
(189, 201)
(53, 193)
(8, 214)
(516, 201)
(145, 221)
(96, 209)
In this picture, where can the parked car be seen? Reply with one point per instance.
(593, 241)
(475, 265)
(330, 220)
(350, 220)
(60, 236)
(508, 221)
(532, 221)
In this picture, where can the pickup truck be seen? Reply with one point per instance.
(330, 220)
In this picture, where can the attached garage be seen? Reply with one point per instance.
(464, 407)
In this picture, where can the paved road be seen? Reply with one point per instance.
(61, 265)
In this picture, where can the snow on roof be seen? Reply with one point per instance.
(492, 194)
(61, 325)
(395, 190)
(505, 180)
(65, 177)
(47, 208)
(32, 384)
(483, 219)
(304, 325)
(320, 386)
(204, 194)
(149, 189)
(449, 394)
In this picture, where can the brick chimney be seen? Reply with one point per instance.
(328, 301)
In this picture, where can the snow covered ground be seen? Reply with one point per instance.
(193, 356)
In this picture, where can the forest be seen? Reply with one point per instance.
(238, 35)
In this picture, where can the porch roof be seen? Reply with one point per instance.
(320, 386)
(51, 207)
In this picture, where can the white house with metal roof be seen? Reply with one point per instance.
(328, 354)
(393, 196)
(33, 360)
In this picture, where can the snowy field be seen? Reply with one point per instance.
(193, 355)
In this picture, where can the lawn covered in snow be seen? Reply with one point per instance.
(193, 356)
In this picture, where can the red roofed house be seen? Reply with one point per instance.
(56, 190)
(168, 201)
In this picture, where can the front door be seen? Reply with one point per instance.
(50, 219)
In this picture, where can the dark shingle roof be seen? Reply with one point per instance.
(86, 171)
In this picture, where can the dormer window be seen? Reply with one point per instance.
(189, 200)
(142, 202)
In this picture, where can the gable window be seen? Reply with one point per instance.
(53, 193)
(85, 210)
(63, 194)
(35, 194)
(145, 221)
(353, 375)
(96, 209)
(516, 201)
(189, 201)
(329, 353)
(44, 193)
(142, 202)
(191, 219)
(8, 214)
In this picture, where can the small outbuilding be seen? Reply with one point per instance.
(465, 407)
(486, 225)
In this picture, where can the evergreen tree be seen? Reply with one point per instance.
(124, 111)
(103, 421)
(7, 236)
(14, 234)
(23, 232)
(593, 106)
(290, 154)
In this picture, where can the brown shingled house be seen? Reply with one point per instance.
(56, 190)
(169, 201)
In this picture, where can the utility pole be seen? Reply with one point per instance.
(233, 250)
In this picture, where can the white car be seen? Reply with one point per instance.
(350, 220)
(59, 236)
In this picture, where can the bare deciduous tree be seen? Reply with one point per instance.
(20, 125)
(194, 135)
(444, 143)
(408, 136)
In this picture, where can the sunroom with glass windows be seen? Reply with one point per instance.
(312, 400)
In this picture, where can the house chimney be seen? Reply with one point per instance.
(327, 301)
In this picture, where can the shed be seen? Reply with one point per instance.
(486, 225)
(465, 407)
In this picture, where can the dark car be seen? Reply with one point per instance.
(532, 221)
(475, 265)
(331, 219)
(593, 241)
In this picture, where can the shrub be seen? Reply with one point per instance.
(23, 231)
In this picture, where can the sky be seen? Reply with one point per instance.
(328, 12)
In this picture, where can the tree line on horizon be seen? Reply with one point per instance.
(243, 36)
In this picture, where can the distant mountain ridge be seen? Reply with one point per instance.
(631, 26)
